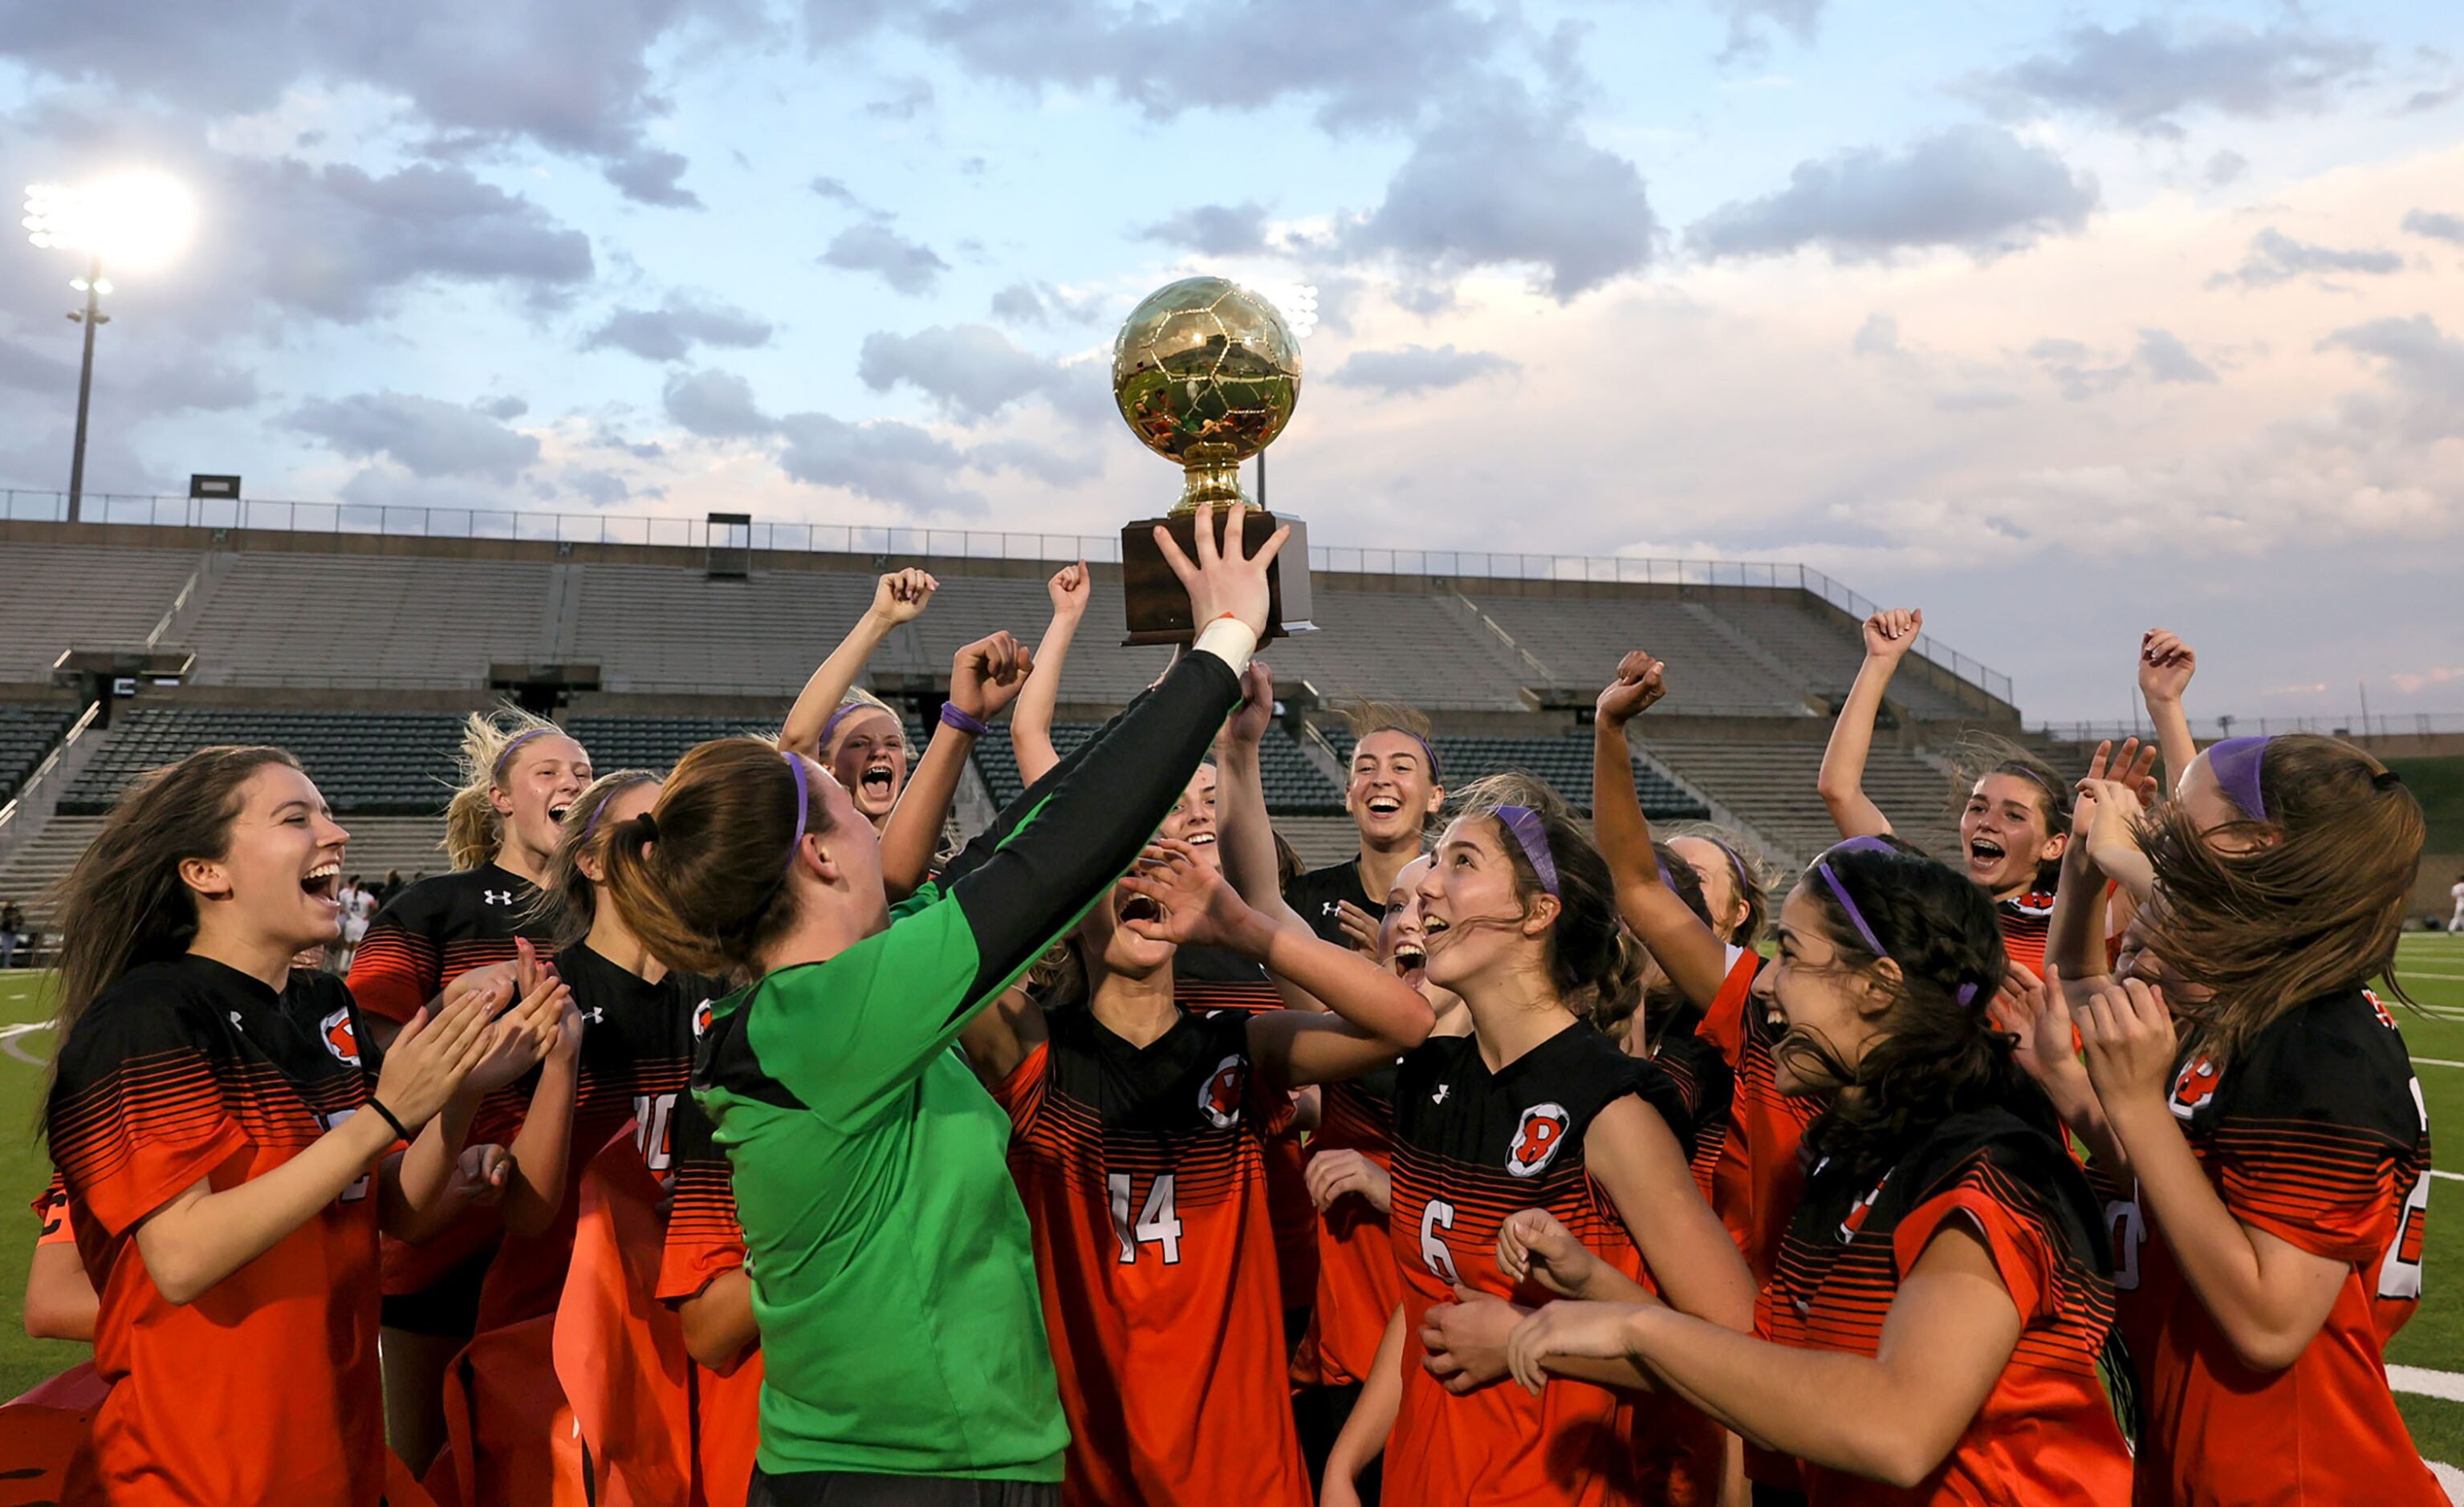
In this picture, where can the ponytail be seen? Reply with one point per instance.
(474, 833)
(698, 877)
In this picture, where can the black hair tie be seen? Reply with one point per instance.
(646, 828)
(2387, 780)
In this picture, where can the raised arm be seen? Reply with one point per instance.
(1889, 635)
(1030, 725)
(985, 676)
(1375, 1015)
(2166, 666)
(1245, 837)
(897, 597)
(1695, 958)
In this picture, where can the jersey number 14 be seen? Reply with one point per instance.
(1158, 1224)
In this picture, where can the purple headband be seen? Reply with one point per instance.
(1534, 839)
(2235, 762)
(1965, 993)
(1736, 860)
(600, 809)
(803, 797)
(847, 709)
(496, 769)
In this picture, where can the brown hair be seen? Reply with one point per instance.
(1589, 952)
(125, 904)
(2314, 906)
(1628, 1000)
(473, 832)
(567, 900)
(1980, 753)
(699, 877)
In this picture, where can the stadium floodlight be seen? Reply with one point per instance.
(134, 220)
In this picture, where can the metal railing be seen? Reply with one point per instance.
(33, 783)
(865, 539)
(2206, 729)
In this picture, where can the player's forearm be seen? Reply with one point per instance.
(2173, 737)
(1365, 1432)
(1244, 835)
(542, 1148)
(1039, 700)
(913, 834)
(1352, 985)
(818, 701)
(719, 1330)
(2217, 1258)
(1842, 783)
(197, 1240)
(411, 1195)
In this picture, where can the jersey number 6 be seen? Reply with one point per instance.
(1435, 1217)
(1157, 1223)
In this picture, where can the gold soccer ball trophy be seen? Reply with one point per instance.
(1207, 374)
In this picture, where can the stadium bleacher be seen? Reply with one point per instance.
(27, 733)
(341, 634)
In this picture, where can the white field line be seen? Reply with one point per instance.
(2453, 1177)
(9, 1036)
(2426, 1383)
(2451, 1481)
(2436, 1061)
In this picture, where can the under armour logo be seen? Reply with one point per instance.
(235, 1019)
(1333, 908)
(497, 897)
(1440, 1097)
(595, 1013)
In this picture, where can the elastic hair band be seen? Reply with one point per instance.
(496, 769)
(389, 1118)
(1531, 835)
(803, 797)
(848, 708)
(2235, 764)
(600, 809)
(966, 722)
(1964, 993)
(1437, 775)
(2387, 780)
(1667, 878)
(1736, 860)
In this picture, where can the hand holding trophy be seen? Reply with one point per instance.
(1206, 373)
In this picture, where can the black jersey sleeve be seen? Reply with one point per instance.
(1026, 878)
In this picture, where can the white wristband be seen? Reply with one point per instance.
(1229, 639)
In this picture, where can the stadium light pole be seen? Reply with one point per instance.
(137, 219)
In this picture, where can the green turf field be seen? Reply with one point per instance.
(2433, 966)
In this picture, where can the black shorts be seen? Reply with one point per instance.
(854, 1488)
(448, 1308)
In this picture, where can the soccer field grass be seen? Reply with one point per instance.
(2432, 967)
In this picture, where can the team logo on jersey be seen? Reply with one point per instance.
(1858, 1210)
(497, 897)
(2379, 1007)
(701, 1019)
(1438, 1097)
(596, 1014)
(1219, 1097)
(339, 1038)
(2194, 1086)
(1536, 1138)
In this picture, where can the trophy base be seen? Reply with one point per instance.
(1158, 607)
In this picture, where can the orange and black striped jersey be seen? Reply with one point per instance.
(2316, 1134)
(2025, 920)
(637, 1046)
(425, 938)
(263, 1389)
(2049, 1432)
(439, 929)
(1143, 1172)
(1205, 979)
(1706, 1084)
(1358, 1284)
(704, 1242)
(1756, 1172)
(1471, 1148)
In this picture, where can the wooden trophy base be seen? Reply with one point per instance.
(1157, 604)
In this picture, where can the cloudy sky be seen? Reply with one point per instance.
(2059, 320)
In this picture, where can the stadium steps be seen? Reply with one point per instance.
(1581, 638)
(27, 734)
(1770, 787)
(387, 621)
(365, 763)
(56, 595)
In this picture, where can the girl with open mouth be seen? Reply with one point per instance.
(2252, 1116)
(1533, 1110)
(1394, 789)
(232, 1137)
(2015, 821)
(519, 775)
(1945, 1266)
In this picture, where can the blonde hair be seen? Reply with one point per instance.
(856, 699)
(473, 832)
